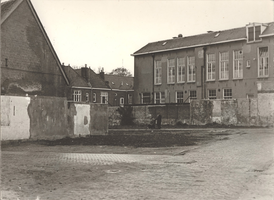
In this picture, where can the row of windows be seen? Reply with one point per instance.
(77, 97)
(160, 97)
(186, 67)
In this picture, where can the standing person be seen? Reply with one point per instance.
(159, 121)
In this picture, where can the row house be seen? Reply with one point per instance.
(226, 64)
(113, 90)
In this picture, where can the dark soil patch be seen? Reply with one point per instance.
(147, 139)
(151, 140)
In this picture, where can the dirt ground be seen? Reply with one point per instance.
(25, 175)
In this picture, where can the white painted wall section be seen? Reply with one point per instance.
(82, 120)
(15, 121)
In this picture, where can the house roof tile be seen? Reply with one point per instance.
(119, 82)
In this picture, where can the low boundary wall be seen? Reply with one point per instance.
(50, 118)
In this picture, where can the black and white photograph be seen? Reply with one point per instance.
(137, 99)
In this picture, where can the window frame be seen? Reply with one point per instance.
(147, 97)
(77, 95)
(266, 58)
(210, 65)
(224, 63)
(181, 67)
(192, 97)
(102, 95)
(179, 99)
(254, 35)
(170, 76)
(122, 101)
(236, 63)
(161, 98)
(226, 92)
(191, 68)
(94, 97)
(158, 72)
(209, 94)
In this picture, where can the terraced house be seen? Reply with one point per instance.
(228, 64)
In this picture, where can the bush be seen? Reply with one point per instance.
(126, 115)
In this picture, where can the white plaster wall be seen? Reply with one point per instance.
(82, 120)
(217, 112)
(15, 121)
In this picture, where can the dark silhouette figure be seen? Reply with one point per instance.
(158, 121)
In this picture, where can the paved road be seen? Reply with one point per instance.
(238, 167)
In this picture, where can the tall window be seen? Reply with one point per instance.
(227, 93)
(179, 97)
(210, 67)
(94, 97)
(122, 101)
(87, 97)
(212, 94)
(77, 95)
(224, 73)
(181, 70)
(145, 98)
(159, 97)
(171, 71)
(238, 64)
(263, 62)
(104, 97)
(158, 73)
(191, 69)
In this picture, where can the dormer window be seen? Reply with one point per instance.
(253, 32)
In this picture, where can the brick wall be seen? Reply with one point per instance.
(143, 114)
(28, 64)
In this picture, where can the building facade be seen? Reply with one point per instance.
(227, 64)
(29, 63)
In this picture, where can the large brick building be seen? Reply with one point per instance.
(29, 64)
(224, 64)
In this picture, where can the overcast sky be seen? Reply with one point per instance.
(105, 33)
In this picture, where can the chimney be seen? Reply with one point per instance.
(180, 35)
(102, 74)
(84, 72)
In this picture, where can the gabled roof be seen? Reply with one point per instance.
(119, 82)
(212, 37)
(95, 81)
(8, 7)
(75, 79)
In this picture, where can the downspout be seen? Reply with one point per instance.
(153, 57)
(204, 75)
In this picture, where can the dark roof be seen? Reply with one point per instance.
(119, 82)
(74, 78)
(212, 37)
(94, 79)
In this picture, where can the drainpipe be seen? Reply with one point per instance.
(204, 75)
(153, 57)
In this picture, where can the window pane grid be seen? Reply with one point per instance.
(171, 71)
(211, 67)
(224, 73)
(227, 93)
(180, 97)
(191, 69)
(158, 72)
(180, 70)
(263, 61)
(238, 64)
(212, 94)
(77, 95)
